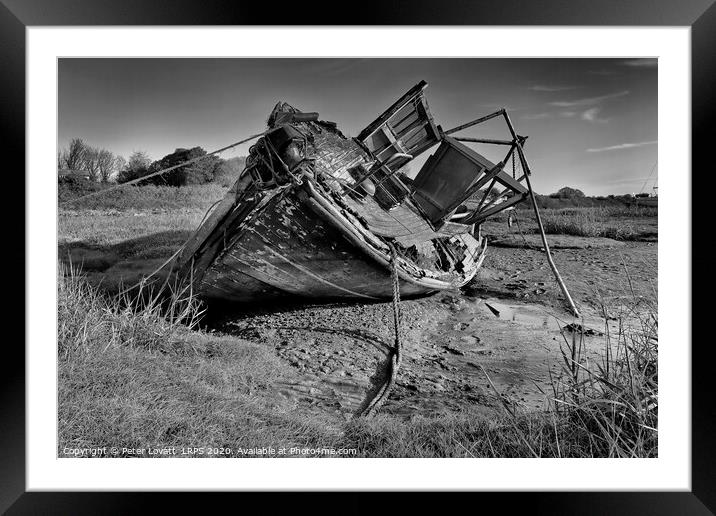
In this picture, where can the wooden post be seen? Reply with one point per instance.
(557, 276)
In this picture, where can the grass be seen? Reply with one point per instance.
(139, 197)
(613, 404)
(136, 373)
(618, 223)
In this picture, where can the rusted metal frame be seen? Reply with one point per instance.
(494, 180)
(487, 212)
(475, 122)
(500, 195)
(484, 140)
(491, 174)
(487, 192)
(496, 198)
(506, 180)
(480, 209)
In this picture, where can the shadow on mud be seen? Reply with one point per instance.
(221, 312)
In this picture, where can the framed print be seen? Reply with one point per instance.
(416, 253)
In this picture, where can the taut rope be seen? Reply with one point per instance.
(163, 171)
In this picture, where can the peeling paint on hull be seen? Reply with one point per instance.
(286, 249)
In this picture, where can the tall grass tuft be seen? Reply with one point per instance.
(134, 375)
(612, 405)
(89, 320)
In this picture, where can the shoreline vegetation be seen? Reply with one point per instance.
(140, 371)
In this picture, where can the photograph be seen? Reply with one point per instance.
(357, 257)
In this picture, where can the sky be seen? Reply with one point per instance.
(591, 123)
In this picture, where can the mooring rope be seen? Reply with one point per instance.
(170, 260)
(160, 172)
(397, 352)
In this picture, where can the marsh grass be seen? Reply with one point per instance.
(617, 223)
(148, 197)
(144, 317)
(133, 373)
(613, 403)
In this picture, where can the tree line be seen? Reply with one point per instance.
(99, 164)
(103, 166)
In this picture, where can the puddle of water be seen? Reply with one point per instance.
(532, 315)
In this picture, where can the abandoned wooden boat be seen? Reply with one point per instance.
(320, 215)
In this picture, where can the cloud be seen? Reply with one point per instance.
(641, 63)
(588, 101)
(540, 87)
(623, 146)
(592, 115)
(542, 116)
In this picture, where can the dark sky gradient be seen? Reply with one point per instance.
(592, 123)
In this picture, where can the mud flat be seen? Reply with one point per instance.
(508, 324)
(505, 323)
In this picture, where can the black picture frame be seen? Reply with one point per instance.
(700, 15)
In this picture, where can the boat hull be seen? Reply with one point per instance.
(289, 248)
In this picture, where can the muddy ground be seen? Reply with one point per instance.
(505, 325)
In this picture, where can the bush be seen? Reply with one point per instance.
(567, 193)
(227, 171)
(196, 173)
